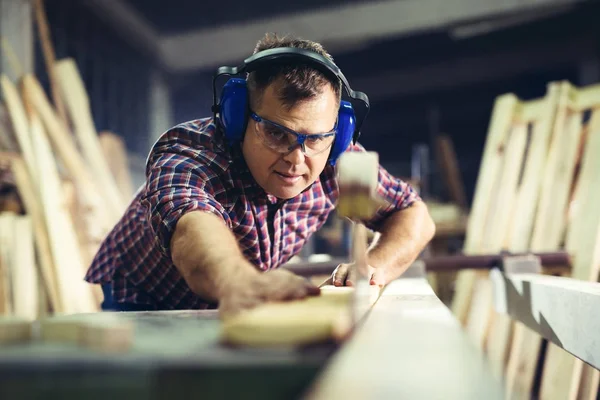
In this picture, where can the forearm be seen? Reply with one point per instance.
(207, 255)
(403, 236)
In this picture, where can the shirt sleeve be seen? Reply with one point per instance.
(176, 185)
(397, 193)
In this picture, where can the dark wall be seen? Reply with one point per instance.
(116, 75)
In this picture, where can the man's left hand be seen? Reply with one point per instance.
(345, 275)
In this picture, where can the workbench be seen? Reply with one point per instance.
(408, 346)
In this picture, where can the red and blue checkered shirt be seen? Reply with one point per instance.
(191, 168)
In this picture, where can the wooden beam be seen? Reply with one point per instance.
(565, 311)
(409, 346)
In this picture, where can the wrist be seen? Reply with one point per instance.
(239, 273)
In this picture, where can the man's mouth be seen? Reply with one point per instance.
(288, 178)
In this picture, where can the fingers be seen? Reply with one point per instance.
(340, 274)
(328, 282)
(378, 278)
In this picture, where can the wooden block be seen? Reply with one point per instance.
(15, 330)
(99, 332)
(295, 323)
(106, 334)
(59, 330)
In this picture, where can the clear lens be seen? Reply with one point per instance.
(283, 141)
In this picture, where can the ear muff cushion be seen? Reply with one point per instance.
(233, 108)
(345, 131)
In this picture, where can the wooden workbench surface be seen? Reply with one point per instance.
(173, 352)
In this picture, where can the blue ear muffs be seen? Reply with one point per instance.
(231, 113)
(234, 109)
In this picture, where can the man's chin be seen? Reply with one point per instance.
(288, 192)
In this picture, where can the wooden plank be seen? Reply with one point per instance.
(7, 240)
(33, 206)
(565, 311)
(78, 105)
(24, 277)
(562, 373)
(480, 315)
(395, 353)
(99, 217)
(548, 226)
(114, 149)
(502, 117)
(540, 114)
(76, 295)
(20, 124)
(49, 57)
(8, 143)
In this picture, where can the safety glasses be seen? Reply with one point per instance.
(283, 140)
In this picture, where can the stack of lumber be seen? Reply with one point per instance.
(537, 190)
(63, 186)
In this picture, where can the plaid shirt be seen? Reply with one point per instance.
(191, 168)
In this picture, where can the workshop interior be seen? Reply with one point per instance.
(489, 110)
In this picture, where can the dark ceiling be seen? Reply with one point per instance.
(421, 84)
(184, 15)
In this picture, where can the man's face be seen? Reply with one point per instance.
(286, 175)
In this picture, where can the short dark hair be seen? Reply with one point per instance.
(298, 81)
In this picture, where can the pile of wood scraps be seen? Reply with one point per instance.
(62, 189)
(537, 190)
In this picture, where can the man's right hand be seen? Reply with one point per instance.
(251, 290)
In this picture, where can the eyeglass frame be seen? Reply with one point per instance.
(300, 137)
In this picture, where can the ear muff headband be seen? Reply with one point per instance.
(231, 111)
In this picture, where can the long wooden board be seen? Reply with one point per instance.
(20, 124)
(409, 347)
(78, 105)
(99, 218)
(34, 208)
(487, 183)
(76, 294)
(480, 314)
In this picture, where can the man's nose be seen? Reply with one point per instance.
(295, 156)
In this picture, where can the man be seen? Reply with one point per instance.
(214, 221)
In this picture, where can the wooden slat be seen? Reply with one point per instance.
(502, 117)
(115, 151)
(540, 114)
(480, 315)
(101, 219)
(562, 373)
(32, 200)
(7, 254)
(8, 143)
(20, 125)
(549, 225)
(78, 105)
(24, 276)
(49, 57)
(76, 295)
